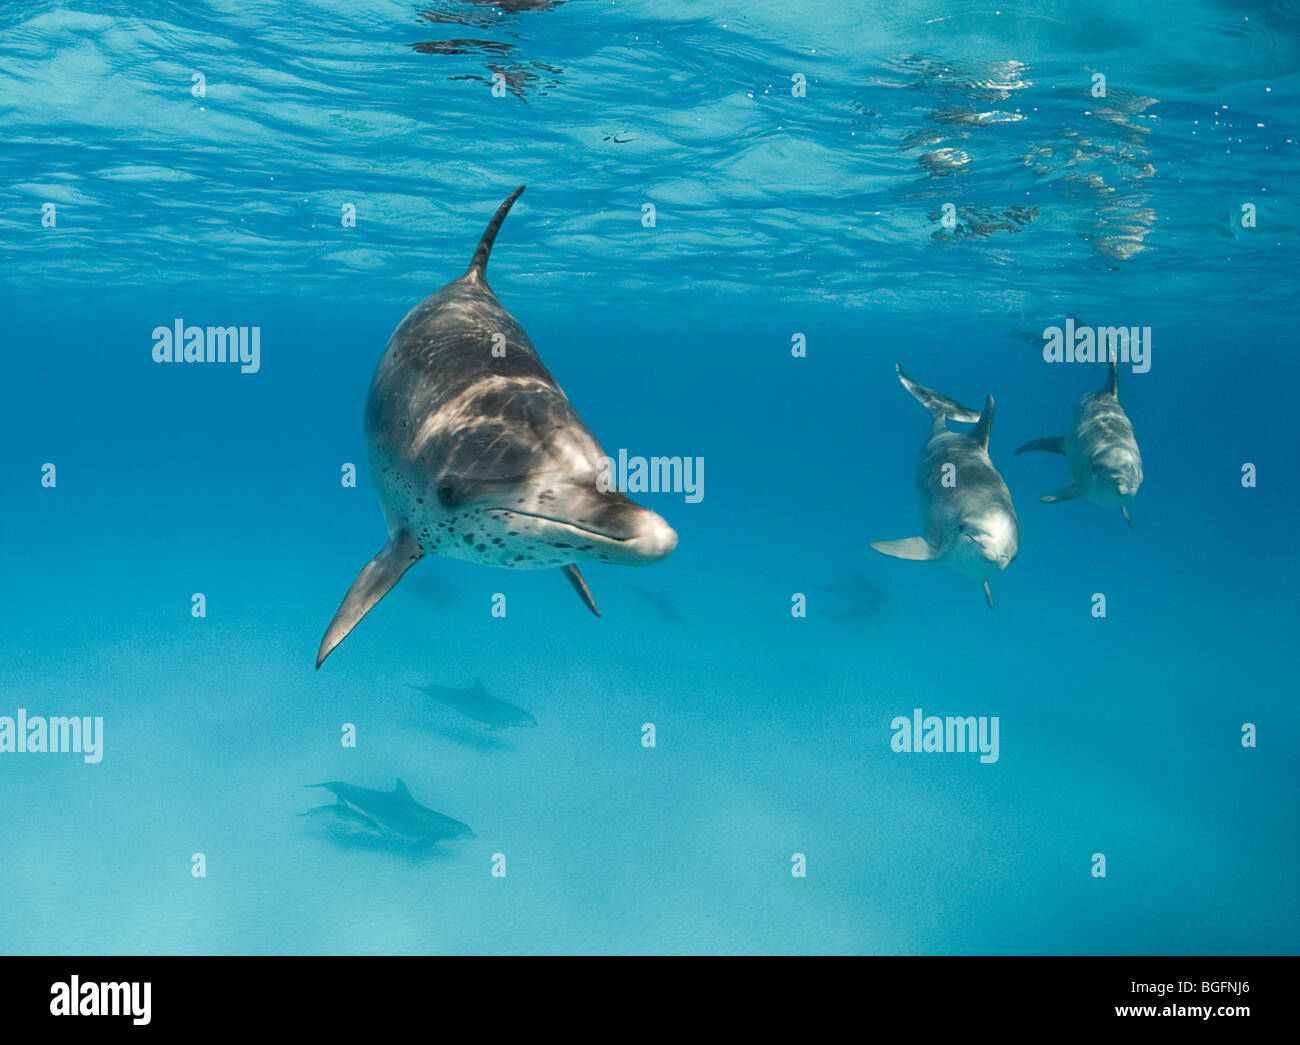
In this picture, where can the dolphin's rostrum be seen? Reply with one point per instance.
(966, 511)
(1101, 450)
(476, 453)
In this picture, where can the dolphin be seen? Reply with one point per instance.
(344, 818)
(864, 599)
(1101, 449)
(475, 452)
(477, 703)
(438, 592)
(966, 510)
(395, 813)
(659, 601)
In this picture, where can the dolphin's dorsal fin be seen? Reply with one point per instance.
(1111, 387)
(401, 789)
(478, 685)
(940, 406)
(477, 271)
(980, 433)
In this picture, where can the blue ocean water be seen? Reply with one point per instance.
(923, 184)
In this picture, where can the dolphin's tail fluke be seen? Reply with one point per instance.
(478, 264)
(940, 406)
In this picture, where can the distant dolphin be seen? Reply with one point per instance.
(659, 601)
(1101, 449)
(477, 703)
(396, 813)
(864, 598)
(476, 453)
(434, 589)
(966, 510)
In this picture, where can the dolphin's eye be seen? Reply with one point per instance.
(962, 528)
(447, 494)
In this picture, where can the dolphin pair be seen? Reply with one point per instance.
(476, 453)
(969, 519)
(386, 815)
(1101, 450)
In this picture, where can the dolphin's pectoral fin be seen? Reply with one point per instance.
(1068, 494)
(988, 594)
(1053, 444)
(374, 582)
(580, 586)
(915, 548)
(1128, 518)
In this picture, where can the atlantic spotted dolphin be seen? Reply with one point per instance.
(1101, 450)
(477, 703)
(476, 453)
(966, 511)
